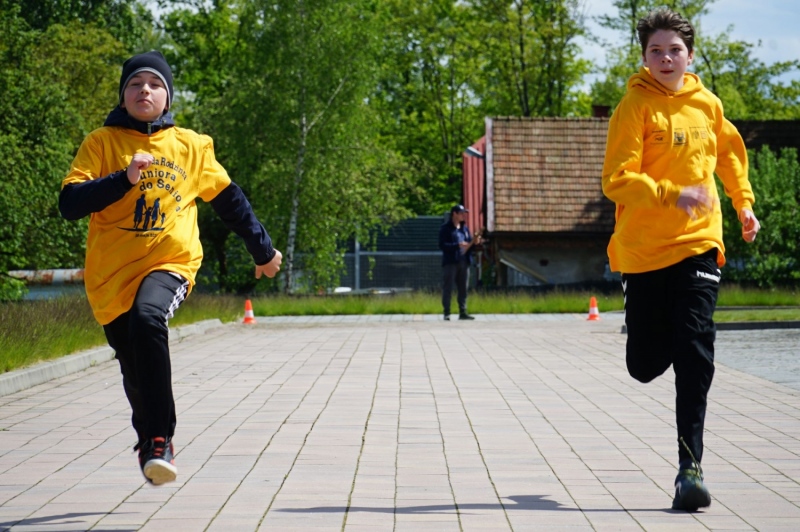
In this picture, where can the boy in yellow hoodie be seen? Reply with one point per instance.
(666, 139)
(138, 178)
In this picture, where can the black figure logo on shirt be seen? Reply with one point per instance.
(147, 217)
(164, 175)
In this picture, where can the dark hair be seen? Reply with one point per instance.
(664, 19)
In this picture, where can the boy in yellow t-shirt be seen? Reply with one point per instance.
(138, 178)
(666, 139)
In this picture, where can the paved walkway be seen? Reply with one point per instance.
(404, 423)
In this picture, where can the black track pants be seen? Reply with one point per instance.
(140, 339)
(669, 317)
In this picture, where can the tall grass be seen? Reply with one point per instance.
(736, 296)
(33, 331)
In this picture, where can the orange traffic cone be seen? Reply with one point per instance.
(248, 312)
(594, 314)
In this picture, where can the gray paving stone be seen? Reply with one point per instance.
(409, 423)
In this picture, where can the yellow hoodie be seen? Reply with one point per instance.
(659, 142)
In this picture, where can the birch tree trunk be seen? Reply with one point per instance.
(293, 215)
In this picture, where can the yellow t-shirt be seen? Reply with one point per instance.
(659, 142)
(154, 226)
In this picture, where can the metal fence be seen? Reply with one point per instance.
(392, 269)
(406, 257)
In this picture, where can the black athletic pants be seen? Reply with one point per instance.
(140, 339)
(458, 273)
(669, 318)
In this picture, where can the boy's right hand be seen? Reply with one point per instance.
(696, 201)
(139, 162)
(271, 268)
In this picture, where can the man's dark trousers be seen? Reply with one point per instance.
(458, 273)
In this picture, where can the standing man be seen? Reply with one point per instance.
(456, 243)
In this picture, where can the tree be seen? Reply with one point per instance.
(772, 260)
(749, 88)
(128, 21)
(292, 123)
(425, 94)
(53, 85)
(529, 64)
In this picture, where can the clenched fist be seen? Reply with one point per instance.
(140, 161)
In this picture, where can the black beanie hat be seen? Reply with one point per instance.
(151, 62)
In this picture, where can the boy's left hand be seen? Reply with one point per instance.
(750, 225)
(271, 268)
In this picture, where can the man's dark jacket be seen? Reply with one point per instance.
(450, 237)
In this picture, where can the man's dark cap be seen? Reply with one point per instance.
(458, 209)
(151, 62)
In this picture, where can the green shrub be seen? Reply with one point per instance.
(774, 258)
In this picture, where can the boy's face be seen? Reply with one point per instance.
(667, 58)
(145, 97)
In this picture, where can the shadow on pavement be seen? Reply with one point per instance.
(521, 502)
(55, 520)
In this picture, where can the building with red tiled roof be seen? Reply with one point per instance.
(533, 186)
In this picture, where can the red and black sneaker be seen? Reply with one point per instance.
(157, 460)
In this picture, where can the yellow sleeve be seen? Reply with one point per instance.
(214, 178)
(732, 166)
(87, 163)
(624, 182)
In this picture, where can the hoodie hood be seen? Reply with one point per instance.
(120, 117)
(644, 80)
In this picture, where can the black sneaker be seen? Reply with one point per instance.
(465, 316)
(156, 458)
(690, 492)
(447, 317)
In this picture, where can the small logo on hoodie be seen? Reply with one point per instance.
(679, 138)
(699, 133)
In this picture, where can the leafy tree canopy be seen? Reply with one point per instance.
(47, 104)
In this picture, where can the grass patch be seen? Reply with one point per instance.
(199, 307)
(430, 303)
(33, 331)
(722, 316)
(736, 296)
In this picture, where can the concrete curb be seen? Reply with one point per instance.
(753, 325)
(21, 379)
(748, 325)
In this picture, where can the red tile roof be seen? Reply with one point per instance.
(547, 175)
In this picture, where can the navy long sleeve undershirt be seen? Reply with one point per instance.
(78, 200)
